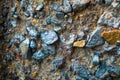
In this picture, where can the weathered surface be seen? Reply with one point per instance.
(49, 37)
(111, 36)
(95, 38)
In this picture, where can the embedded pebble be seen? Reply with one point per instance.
(79, 4)
(79, 43)
(40, 7)
(49, 48)
(40, 55)
(49, 37)
(33, 34)
(58, 62)
(95, 38)
(95, 60)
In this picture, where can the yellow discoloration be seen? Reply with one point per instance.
(79, 43)
(111, 36)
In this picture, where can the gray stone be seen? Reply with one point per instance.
(18, 38)
(56, 7)
(58, 62)
(95, 38)
(57, 29)
(56, 21)
(107, 18)
(49, 37)
(95, 60)
(48, 20)
(80, 70)
(24, 47)
(49, 48)
(60, 15)
(33, 45)
(117, 23)
(40, 7)
(108, 2)
(33, 34)
(80, 35)
(66, 8)
(116, 5)
(70, 20)
(40, 55)
(13, 23)
(99, 1)
(77, 4)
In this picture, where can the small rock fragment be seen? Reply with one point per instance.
(49, 48)
(95, 60)
(49, 37)
(40, 55)
(58, 62)
(77, 4)
(79, 43)
(13, 23)
(56, 7)
(102, 69)
(108, 2)
(66, 8)
(79, 70)
(80, 35)
(48, 20)
(116, 4)
(60, 15)
(33, 45)
(33, 34)
(111, 36)
(40, 7)
(70, 20)
(24, 48)
(95, 38)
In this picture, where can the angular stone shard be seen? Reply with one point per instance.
(49, 37)
(76, 4)
(95, 38)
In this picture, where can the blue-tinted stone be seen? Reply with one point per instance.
(13, 23)
(58, 62)
(49, 37)
(95, 60)
(113, 70)
(102, 69)
(60, 15)
(23, 3)
(48, 20)
(80, 70)
(49, 48)
(33, 45)
(39, 15)
(66, 8)
(108, 2)
(55, 21)
(70, 20)
(40, 7)
(33, 34)
(56, 7)
(95, 38)
(8, 57)
(79, 4)
(27, 14)
(40, 55)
